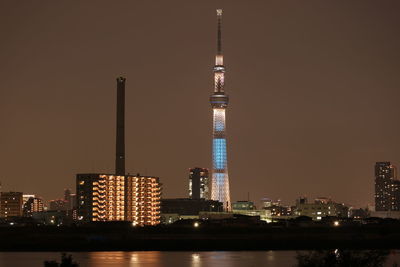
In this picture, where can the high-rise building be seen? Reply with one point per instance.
(384, 187)
(396, 195)
(10, 204)
(106, 197)
(219, 102)
(34, 204)
(199, 183)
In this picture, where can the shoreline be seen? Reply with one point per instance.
(76, 239)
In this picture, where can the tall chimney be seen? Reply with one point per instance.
(120, 142)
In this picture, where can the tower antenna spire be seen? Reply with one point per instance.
(219, 31)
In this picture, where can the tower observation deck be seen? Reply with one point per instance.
(219, 102)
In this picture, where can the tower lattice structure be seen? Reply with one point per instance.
(219, 102)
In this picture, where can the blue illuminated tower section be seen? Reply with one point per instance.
(219, 101)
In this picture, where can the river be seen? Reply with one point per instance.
(166, 259)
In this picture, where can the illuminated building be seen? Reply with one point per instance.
(106, 197)
(322, 207)
(143, 200)
(10, 204)
(387, 188)
(199, 183)
(396, 195)
(276, 208)
(33, 204)
(243, 205)
(219, 102)
(26, 197)
(248, 208)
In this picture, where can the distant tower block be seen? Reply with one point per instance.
(120, 136)
(199, 184)
(387, 187)
(219, 102)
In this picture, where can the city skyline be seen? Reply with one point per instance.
(314, 106)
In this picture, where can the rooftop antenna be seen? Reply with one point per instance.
(219, 32)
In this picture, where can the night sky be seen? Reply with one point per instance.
(313, 85)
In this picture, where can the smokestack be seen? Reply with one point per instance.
(120, 137)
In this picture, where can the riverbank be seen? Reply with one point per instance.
(201, 238)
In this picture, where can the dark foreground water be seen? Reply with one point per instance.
(167, 259)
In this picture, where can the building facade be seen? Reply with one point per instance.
(243, 205)
(199, 186)
(387, 187)
(187, 206)
(219, 102)
(106, 197)
(247, 208)
(276, 208)
(395, 196)
(26, 197)
(321, 207)
(33, 204)
(11, 204)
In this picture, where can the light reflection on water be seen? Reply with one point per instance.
(191, 259)
(163, 259)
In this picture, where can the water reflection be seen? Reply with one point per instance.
(196, 260)
(339, 257)
(124, 259)
(208, 258)
(192, 259)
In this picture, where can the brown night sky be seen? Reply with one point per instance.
(314, 89)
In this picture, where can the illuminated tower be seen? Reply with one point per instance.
(219, 101)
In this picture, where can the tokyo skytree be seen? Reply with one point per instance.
(219, 102)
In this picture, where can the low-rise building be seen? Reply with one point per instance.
(242, 205)
(187, 206)
(53, 217)
(321, 207)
